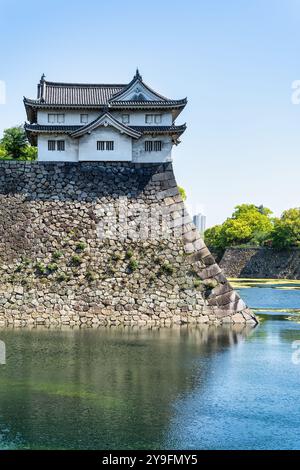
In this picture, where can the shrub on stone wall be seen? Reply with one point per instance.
(76, 260)
(133, 264)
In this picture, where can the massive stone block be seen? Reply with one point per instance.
(105, 244)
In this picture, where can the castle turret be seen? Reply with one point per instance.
(103, 122)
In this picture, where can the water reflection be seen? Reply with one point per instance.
(110, 388)
(249, 398)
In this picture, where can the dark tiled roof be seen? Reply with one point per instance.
(51, 94)
(160, 129)
(79, 94)
(151, 104)
(49, 128)
(69, 129)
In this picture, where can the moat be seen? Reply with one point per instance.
(170, 388)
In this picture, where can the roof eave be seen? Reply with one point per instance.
(172, 132)
(180, 104)
(65, 106)
(31, 114)
(32, 138)
(40, 129)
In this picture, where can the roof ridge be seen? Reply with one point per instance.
(161, 127)
(148, 101)
(102, 85)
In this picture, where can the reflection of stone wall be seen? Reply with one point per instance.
(110, 388)
(55, 268)
(262, 263)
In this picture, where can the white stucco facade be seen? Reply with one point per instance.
(136, 118)
(70, 154)
(140, 156)
(125, 148)
(71, 117)
(122, 150)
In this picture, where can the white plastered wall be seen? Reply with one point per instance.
(140, 156)
(69, 155)
(88, 146)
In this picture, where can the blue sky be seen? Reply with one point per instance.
(234, 60)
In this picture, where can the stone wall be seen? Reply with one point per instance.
(264, 263)
(82, 244)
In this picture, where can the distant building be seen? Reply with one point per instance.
(200, 222)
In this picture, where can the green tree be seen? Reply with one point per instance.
(14, 142)
(2, 152)
(286, 231)
(29, 153)
(213, 237)
(248, 224)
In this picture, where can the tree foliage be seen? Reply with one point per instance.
(15, 146)
(248, 224)
(286, 230)
(252, 225)
(30, 153)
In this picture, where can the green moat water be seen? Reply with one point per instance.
(179, 388)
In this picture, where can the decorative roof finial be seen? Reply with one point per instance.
(43, 77)
(137, 74)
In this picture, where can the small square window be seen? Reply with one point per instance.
(157, 118)
(125, 118)
(51, 145)
(84, 118)
(51, 118)
(60, 118)
(61, 145)
(110, 145)
(105, 145)
(100, 145)
(157, 146)
(148, 146)
(149, 118)
(153, 145)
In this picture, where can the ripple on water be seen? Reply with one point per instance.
(162, 389)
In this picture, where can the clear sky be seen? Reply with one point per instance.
(235, 60)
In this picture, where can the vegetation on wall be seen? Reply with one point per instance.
(182, 193)
(14, 145)
(252, 225)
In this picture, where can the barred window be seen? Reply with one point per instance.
(148, 145)
(100, 145)
(110, 145)
(153, 145)
(157, 146)
(105, 145)
(51, 145)
(61, 145)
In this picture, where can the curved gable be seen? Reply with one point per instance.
(137, 90)
(105, 120)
